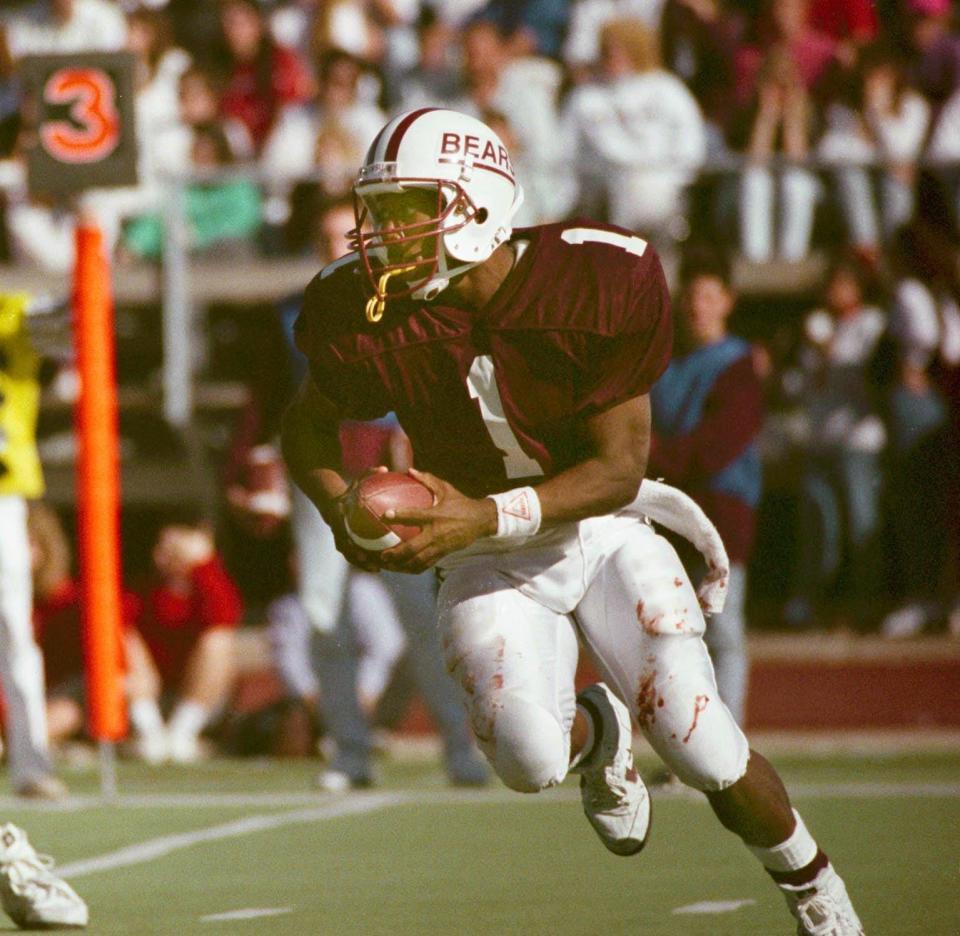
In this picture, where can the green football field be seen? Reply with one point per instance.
(245, 847)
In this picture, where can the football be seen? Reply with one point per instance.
(373, 496)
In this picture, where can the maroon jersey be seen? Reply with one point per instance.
(487, 397)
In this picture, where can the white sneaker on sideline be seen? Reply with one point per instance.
(152, 747)
(823, 907)
(44, 787)
(31, 894)
(615, 799)
(907, 621)
(184, 748)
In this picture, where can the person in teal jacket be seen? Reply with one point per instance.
(217, 211)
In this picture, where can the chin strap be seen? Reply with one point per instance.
(378, 302)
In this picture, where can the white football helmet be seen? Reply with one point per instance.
(466, 164)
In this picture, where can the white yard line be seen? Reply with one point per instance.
(714, 906)
(249, 913)
(155, 848)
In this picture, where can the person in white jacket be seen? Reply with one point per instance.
(883, 136)
(638, 135)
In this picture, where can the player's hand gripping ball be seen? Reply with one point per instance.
(372, 497)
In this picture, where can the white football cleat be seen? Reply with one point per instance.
(823, 907)
(31, 894)
(615, 799)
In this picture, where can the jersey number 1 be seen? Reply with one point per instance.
(482, 385)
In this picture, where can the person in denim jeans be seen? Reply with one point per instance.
(845, 437)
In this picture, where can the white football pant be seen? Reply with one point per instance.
(510, 623)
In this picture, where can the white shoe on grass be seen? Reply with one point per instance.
(43, 787)
(615, 799)
(823, 907)
(152, 747)
(31, 894)
(184, 748)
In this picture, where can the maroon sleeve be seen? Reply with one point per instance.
(626, 363)
(218, 599)
(731, 420)
(328, 319)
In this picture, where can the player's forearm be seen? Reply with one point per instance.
(591, 488)
(610, 477)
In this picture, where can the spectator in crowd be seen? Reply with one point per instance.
(581, 48)
(378, 637)
(323, 142)
(523, 91)
(925, 337)
(852, 23)
(349, 25)
(219, 211)
(10, 93)
(160, 65)
(776, 75)
(21, 663)
(435, 75)
(699, 41)
(638, 136)
(530, 27)
(181, 650)
(66, 26)
(933, 50)
(198, 105)
(943, 157)
(841, 482)
(780, 126)
(263, 77)
(56, 621)
(707, 411)
(878, 132)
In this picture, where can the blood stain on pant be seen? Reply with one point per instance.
(649, 622)
(699, 704)
(647, 700)
(678, 582)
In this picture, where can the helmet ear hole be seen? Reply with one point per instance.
(481, 215)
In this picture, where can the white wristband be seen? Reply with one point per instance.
(518, 512)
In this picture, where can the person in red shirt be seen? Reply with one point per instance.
(57, 621)
(263, 76)
(182, 645)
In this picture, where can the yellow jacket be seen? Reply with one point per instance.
(20, 471)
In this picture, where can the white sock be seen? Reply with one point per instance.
(146, 717)
(793, 854)
(587, 748)
(188, 719)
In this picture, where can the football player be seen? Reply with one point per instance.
(519, 364)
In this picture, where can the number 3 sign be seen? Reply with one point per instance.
(81, 110)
